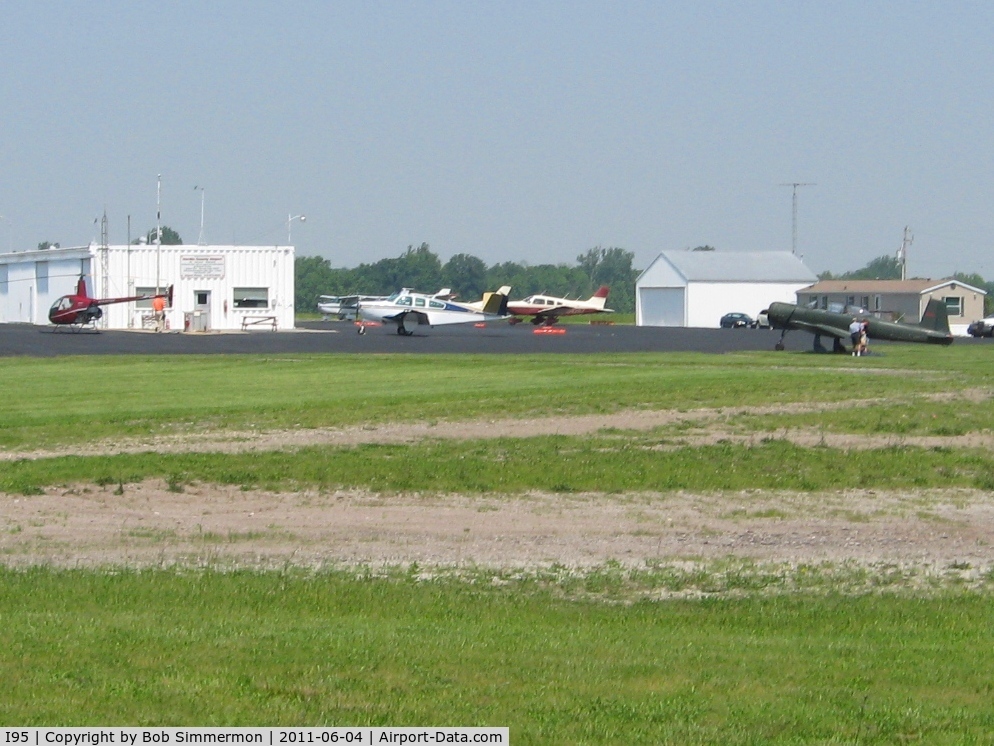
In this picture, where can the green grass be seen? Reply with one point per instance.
(918, 418)
(549, 463)
(168, 648)
(54, 401)
(804, 655)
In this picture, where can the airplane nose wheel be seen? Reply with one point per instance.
(362, 329)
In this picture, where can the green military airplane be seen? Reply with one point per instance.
(934, 326)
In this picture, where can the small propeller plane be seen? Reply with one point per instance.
(546, 309)
(933, 329)
(80, 310)
(408, 309)
(343, 306)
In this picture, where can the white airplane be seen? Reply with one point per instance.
(408, 309)
(344, 306)
(546, 309)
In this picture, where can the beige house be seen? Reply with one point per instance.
(898, 300)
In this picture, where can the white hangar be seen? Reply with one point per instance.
(697, 288)
(215, 287)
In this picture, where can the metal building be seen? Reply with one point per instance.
(214, 287)
(697, 288)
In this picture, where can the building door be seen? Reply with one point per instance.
(201, 310)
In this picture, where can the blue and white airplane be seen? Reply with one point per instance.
(408, 309)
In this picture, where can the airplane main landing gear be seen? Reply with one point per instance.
(779, 345)
(362, 329)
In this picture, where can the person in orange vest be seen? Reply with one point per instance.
(159, 306)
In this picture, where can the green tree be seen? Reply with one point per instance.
(611, 267)
(466, 275)
(882, 268)
(169, 237)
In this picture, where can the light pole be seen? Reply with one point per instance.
(289, 222)
(200, 239)
(158, 234)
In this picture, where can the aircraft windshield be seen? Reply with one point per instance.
(62, 304)
(393, 297)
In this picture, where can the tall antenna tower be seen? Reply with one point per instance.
(902, 253)
(794, 185)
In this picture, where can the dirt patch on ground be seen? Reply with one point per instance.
(149, 525)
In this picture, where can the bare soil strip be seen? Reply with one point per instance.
(149, 525)
(224, 526)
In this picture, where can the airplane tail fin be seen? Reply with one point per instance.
(81, 287)
(599, 299)
(496, 303)
(935, 318)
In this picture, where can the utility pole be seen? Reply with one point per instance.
(794, 185)
(902, 253)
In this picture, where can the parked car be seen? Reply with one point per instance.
(982, 328)
(736, 321)
(762, 319)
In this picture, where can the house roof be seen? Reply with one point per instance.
(739, 266)
(885, 287)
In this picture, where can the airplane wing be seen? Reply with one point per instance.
(823, 329)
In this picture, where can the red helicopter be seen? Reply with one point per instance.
(79, 310)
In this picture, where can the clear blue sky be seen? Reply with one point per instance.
(526, 131)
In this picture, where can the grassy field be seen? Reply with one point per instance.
(135, 396)
(559, 658)
(161, 648)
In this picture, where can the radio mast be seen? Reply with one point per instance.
(794, 185)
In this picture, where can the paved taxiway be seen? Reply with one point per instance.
(495, 338)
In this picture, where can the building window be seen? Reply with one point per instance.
(876, 303)
(148, 303)
(954, 305)
(864, 302)
(251, 297)
(824, 302)
(41, 277)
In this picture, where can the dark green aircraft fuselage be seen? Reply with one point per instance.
(933, 329)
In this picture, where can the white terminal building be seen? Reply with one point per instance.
(214, 287)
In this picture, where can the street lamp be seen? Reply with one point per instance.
(200, 239)
(289, 223)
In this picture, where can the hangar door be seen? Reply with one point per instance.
(661, 306)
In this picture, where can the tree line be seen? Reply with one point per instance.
(420, 268)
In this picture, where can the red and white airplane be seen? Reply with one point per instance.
(546, 309)
(79, 310)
